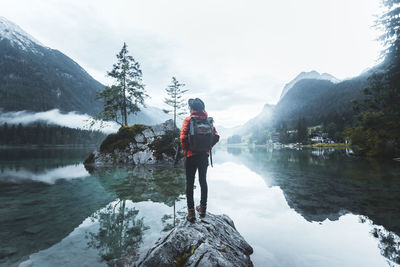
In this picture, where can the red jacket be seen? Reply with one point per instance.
(185, 131)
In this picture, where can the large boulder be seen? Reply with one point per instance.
(137, 144)
(210, 241)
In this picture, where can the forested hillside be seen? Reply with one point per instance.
(45, 134)
(320, 101)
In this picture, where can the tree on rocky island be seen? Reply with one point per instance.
(127, 94)
(175, 98)
(177, 103)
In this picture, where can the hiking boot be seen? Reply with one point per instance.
(202, 210)
(191, 216)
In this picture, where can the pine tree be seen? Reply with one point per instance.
(389, 23)
(175, 98)
(378, 132)
(302, 132)
(127, 94)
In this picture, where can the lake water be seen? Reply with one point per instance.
(295, 208)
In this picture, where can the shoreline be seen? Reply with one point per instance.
(322, 145)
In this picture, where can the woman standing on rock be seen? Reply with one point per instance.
(198, 136)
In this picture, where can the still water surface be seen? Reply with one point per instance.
(296, 208)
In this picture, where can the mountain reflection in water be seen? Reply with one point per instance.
(326, 184)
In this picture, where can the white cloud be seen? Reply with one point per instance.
(54, 116)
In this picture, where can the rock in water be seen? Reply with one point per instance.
(137, 144)
(210, 241)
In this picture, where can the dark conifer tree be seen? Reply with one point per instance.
(175, 98)
(379, 125)
(127, 94)
(302, 132)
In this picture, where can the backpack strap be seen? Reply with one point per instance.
(211, 158)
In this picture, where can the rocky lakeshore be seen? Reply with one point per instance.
(210, 241)
(137, 145)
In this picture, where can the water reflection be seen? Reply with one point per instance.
(295, 207)
(35, 216)
(141, 183)
(38, 159)
(328, 184)
(49, 176)
(389, 243)
(234, 150)
(120, 232)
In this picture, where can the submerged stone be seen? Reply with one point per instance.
(209, 241)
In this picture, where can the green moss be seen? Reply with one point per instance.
(122, 138)
(181, 260)
(165, 144)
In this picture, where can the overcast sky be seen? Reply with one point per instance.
(235, 55)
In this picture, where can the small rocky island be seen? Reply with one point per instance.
(210, 241)
(136, 145)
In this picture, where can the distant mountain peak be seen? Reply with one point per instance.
(51, 80)
(17, 36)
(308, 75)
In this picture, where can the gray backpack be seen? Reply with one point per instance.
(201, 134)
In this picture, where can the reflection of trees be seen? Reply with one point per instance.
(156, 183)
(327, 187)
(120, 232)
(172, 183)
(389, 243)
(40, 159)
(320, 188)
(169, 221)
(142, 183)
(234, 150)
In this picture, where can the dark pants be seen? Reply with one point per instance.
(193, 163)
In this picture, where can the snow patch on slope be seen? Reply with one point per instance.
(17, 36)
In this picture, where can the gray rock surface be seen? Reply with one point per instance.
(210, 241)
(138, 151)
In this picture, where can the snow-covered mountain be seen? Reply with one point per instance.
(308, 75)
(17, 36)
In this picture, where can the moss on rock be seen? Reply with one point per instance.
(165, 144)
(122, 138)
